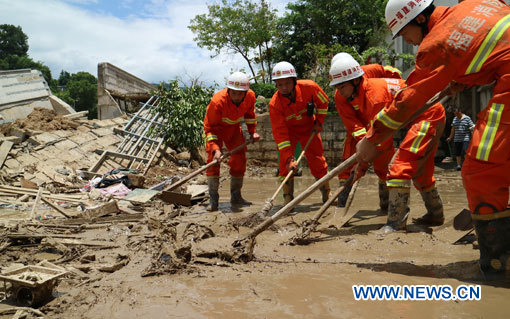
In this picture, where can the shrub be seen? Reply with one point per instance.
(183, 111)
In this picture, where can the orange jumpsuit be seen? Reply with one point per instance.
(468, 43)
(222, 124)
(344, 106)
(372, 96)
(290, 124)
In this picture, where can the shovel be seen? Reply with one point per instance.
(309, 226)
(269, 203)
(243, 248)
(257, 217)
(203, 168)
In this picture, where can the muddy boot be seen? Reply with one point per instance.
(494, 242)
(434, 205)
(398, 210)
(384, 197)
(342, 197)
(214, 183)
(325, 189)
(288, 191)
(236, 183)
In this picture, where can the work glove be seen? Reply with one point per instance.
(317, 127)
(255, 137)
(292, 165)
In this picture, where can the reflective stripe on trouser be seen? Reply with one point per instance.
(486, 170)
(314, 155)
(237, 161)
(490, 136)
(414, 160)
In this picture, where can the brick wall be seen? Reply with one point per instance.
(333, 136)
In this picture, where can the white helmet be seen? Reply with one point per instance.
(283, 70)
(400, 12)
(341, 55)
(344, 69)
(238, 81)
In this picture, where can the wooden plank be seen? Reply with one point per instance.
(37, 198)
(5, 148)
(101, 210)
(76, 115)
(176, 198)
(55, 207)
(140, 195)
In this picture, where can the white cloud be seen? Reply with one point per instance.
(155, 46)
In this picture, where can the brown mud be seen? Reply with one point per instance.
(177, 267)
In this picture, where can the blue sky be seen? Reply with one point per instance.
(149, 39)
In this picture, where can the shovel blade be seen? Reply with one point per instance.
(463, 220)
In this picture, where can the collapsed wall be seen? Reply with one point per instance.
(118, 91)
(21, 91)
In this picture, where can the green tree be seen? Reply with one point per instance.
(13, 41)
(240, 26)
(356, 24)
(183, 111)
(64, 78)
(80, 92)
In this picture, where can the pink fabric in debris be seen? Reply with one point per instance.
(118, 190)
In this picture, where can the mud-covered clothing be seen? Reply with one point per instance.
(222, 125)
(290, 124)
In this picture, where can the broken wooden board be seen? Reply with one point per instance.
(196, 190)
(5, 148)
(140, 195)
(101, 210)
(175, 198)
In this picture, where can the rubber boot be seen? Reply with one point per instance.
(236, 183)
(434, 205)
(214, 183)
(384, 197)
(288, 191)
(494, 242)
(325, 189)
(342, 197)
(398, 210)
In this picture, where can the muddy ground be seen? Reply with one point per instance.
(156, 270)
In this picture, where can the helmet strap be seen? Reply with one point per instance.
(356, 88)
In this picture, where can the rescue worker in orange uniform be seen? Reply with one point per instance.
(370, 71)
(464, 45)
(291, 122)
(362, 99)
(225, 112)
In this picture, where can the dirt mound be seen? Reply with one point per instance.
(41, 119)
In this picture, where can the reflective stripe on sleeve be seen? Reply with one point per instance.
(359, 132)
(387, 121)
(488, 45)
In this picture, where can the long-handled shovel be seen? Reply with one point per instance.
(310, 225)
(243, 248)
(203, 168)
(269, 203)
(257, 217)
